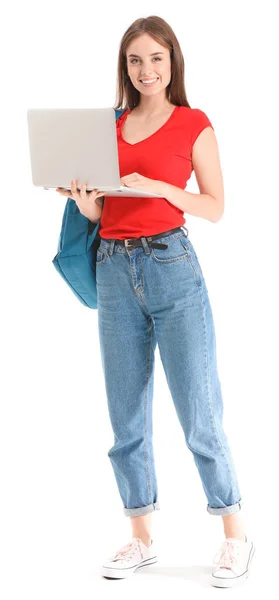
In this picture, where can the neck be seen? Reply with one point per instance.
(152, 105)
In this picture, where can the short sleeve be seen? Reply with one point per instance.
(199, 122)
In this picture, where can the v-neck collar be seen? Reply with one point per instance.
(127, 112)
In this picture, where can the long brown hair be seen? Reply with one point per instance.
(127, 95)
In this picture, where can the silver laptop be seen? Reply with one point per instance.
(80, 144)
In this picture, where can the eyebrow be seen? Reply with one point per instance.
(153, 53)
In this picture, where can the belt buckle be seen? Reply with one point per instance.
(126, 243)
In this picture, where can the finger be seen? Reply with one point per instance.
(67, 194)
(74, 187)
(62, 191)
(83, 193)
(95, 193)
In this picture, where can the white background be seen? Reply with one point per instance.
(61, 513)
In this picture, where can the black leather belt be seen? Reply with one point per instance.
(135, 242)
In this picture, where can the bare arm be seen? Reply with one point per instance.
(90, 204)
(209, 204)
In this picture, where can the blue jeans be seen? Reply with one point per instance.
(147, 295)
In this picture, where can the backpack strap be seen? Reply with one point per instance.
(118, 113)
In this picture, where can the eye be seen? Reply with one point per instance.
(132, 61)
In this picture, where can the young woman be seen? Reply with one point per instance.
(151, 290)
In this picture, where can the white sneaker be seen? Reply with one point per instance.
(233, 562)
(128, 559)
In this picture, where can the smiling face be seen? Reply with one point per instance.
(148, 65)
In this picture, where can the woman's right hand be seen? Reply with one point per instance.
(84, 200)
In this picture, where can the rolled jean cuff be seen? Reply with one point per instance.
(142, 510)
(225, 510)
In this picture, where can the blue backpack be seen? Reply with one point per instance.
(78, 242)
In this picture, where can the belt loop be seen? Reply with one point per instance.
(111, 246)
(145, 245)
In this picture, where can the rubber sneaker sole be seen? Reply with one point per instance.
(114, 573)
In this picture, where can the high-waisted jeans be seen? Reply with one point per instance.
(147, 296)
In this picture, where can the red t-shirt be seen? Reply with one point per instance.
(165, 155)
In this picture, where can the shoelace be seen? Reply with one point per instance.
(127, 551)
(227, 555)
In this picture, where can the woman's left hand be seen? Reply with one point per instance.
(142, 183)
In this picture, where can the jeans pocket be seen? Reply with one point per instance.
(101, 256)
(193, 260)
(173, 253)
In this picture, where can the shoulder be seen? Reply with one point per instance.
(193, 116)
(194, 121)
(120, 114)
